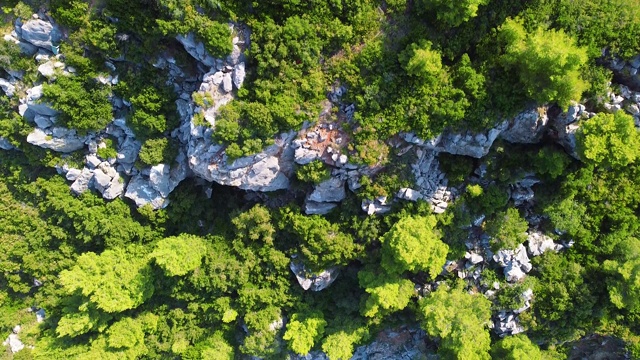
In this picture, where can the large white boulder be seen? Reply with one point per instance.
(40, 33)
(58, 139)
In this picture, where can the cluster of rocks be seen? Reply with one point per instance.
(13, 340)
(431, 182)
(314, 281)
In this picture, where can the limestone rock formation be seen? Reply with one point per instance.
(314, 282)
(527, 127)
(57, 139)
(39, 32)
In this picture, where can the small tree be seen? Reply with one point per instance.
(304, 330)
(179, 255)
(413, 244)
(609, 140)
(515, 348)
(508, 230)
(451, 13)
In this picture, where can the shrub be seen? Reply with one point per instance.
(109, 151)
(313, 172)
(157, 151)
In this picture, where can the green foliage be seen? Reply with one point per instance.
(70, 13)
(314, 172)
(507, 230)
(449, 13)
(84, 105)
(547, 62)
(158, 151)
(459, 319)
(624, 287)
(551, 162)
(457, 168)
(515, 348)
(387, 294)
(340, 344)
(609, 140)
(413, 244)
(108, 151)
(115, 281)
(179, 255)
(304, 330)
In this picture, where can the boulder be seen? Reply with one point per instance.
(30, 106)
(318, 208)
(507, 324)
(165, 178)
(539, 243)
(304, 156)
(47, 69)
(227, 83)
(5, 144)
(331, 190)
(515, 263)
(40, 315)
(59, 139)
(142, 192)
(14, 343)
(8, 88)
(81, 183)
(473, 258)
(373, 207)
(115, 188)
(238, 75)
(313, 282)
(408, 194)
(527, 127)
(468, 143)
(196, 49)
(566, 126)
(40, 33)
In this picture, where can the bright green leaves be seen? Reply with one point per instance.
(459, 319)
(451, 13)
(609, 140)
(387, 294)
(420, 60)
(508, 230)
(304, 330)
(547, 62)
(624, 287)
(413, 244)
(516, 347)
(129, 333)
(115, 281)
(179, 255)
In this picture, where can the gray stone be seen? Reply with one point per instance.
(5, 144)
(408, 194)
(468, 144)
(40, 315)
(304, 156)
(515, 262)
(73, 174)
(331, 190)
(101, 181)
(473, 258)
(313, 282)
(92, 161)
(238, 75)
(142, 192)
(8, 88)
(318, 208)
(539, 243)
(14, 343)
(42, 121)
(62, 140)
(227, 82)
(196, 49)
(373, 207)
(527, 127)
(81, 183)
(40, 33)
(47, 69)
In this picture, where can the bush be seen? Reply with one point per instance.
(313, 172)
(157, 151)
(109, 151)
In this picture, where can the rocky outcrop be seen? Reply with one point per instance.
(7, 87)
(431, 182)
(515, 263)
(13, 341)
(522, 191)
(376, 206)
(313, 282)
(325, 196)
(57, 139)
(196, 49)
(566, 125)
(539, 243)
(527, 127)
(470, 144)
(30, 106)
(39, 32)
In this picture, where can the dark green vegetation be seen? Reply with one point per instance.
(210, 279)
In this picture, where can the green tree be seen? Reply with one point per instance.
(157, 151)
(547, 62)
(624, 287)
(508, 229)
(116, 280)
(420, 60)
(413, 244)
(516, 347)
(387, 294)
(459, 320)
(451, 13)
(179, 255)
(609, 140)
(304, 330)
(339, 345)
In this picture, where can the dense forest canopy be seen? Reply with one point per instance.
(465, 172)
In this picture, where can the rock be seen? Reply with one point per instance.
(313, 282)
(5, 144)
(34, 107)
(164, 178)
(43, 122)
(507, 324)
(227, 83)
(304, 156)
(73, 174)
(567, 138)
(115, 188)
(527, 127)
(473, 258)
(101, 181)
(196, 49)
(47, 70)
(81, 183)
(331, 190)
(238, 75)
(408, 194)
(40, 33)
(539, 244)
(14, 343)
(8, 88)
(372, 207)
(401, 343)
(318, 208)
(142, 192)
(60, 140)
(515, 262)
(40, 315)
(468, 144)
